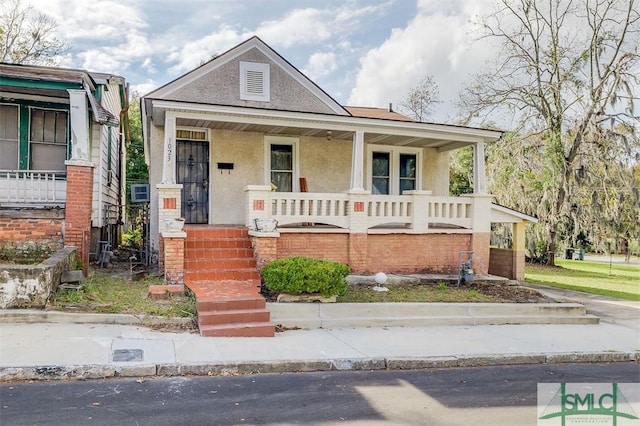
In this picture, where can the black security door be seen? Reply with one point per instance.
(192, 171)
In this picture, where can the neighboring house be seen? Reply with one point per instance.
(246, 139)
(61, 162)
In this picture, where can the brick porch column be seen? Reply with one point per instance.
(358, 231)
(481, 237)
(77, 225)
(265, 247)
(173, 256)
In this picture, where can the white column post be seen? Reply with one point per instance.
(79, 121)
(479, 175)
(169, 153)
(357, 162)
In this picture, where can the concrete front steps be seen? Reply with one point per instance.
(345, 315)
(221, 271)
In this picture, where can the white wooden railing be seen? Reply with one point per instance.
(303, 207)
(33, 186)
(419, 210)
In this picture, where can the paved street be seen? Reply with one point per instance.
(501, 395)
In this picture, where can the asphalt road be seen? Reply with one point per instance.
(458, 396)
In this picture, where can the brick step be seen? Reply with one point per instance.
(219, 253)
(235, 304)
(201, 232)
(254, 329)
(221, 274)
(195, 243)
(242, 316)
(217, 263)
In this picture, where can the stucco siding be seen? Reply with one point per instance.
(222, 87)
(326, 164)
(226, 192)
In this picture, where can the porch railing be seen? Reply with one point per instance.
(418, 210)
(33, 186)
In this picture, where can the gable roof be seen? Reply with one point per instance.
(254, 42)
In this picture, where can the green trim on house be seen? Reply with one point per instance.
(39, 84)
(23, 136)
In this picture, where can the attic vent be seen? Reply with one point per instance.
(254, 81)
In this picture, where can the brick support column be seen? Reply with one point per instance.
(480, 244)
(358, 226)
(173, 262)
(169, 205)
(265, 248)
(77, 227)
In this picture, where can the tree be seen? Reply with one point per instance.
(421, 99)
(137, 170)
(566, 75)
(27, 37)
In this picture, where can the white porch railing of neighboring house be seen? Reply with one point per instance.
(417, 210)
(43, 187)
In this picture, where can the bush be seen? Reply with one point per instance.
(296, 275)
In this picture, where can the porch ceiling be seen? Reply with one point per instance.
(337, 133)
(443, 137)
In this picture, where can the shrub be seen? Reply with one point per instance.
(296, 275)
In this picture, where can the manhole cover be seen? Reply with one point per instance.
(127, 355)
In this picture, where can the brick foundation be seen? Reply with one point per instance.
(77, 230)
(369, 253)
(20, 232)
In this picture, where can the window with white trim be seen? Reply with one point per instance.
(281, 163)
(9, 137)
(254, 82)
(393, 170)
(48, 139)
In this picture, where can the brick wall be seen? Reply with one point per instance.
(322, 246)
(78, 210)
(501, 263)
(20, 231)
(422, 253)
(401, 253)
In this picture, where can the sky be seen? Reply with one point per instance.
(361, 52)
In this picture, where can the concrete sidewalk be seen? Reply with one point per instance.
(71, 350)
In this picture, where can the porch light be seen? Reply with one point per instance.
(381, 279)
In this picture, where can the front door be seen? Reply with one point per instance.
(192, 171)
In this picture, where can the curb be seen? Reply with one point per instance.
(85, 372)
(31, 316)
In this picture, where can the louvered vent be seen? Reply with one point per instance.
(254, 81)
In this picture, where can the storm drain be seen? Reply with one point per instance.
(128, 355)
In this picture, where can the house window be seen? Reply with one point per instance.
(254, 82)
(48, 139)
(9, 137)
(407, 172)
(281, 159)
(394, 170)
(380, 170)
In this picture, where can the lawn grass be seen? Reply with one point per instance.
(103, 293)
(617, 280)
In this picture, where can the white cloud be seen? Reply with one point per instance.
(434, 42)
(300, 26)
(320, 64)
(143, 88)
(193, 53)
